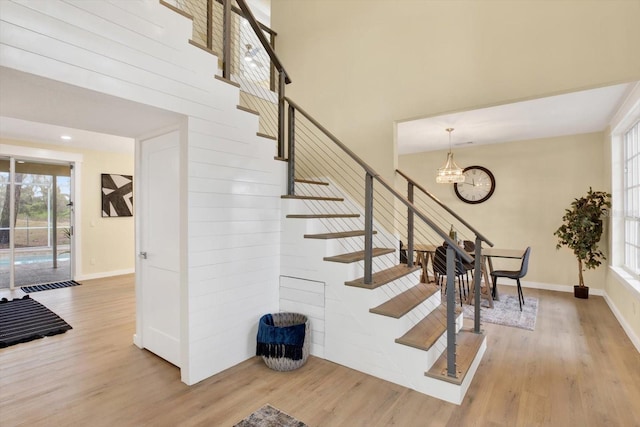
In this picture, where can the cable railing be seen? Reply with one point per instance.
(467, 235)
(316, 156)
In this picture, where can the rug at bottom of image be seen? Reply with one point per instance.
(268, 416)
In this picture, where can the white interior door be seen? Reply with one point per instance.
(159, 261)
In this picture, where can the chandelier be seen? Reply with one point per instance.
(449, 173)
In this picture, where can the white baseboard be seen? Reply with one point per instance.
(632, 336)
(600, 292)
(136, 341)
(551, 287)
(104, 274)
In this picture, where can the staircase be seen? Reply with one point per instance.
(394, 327)
(339, 265)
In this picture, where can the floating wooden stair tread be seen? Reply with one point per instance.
(383, 277)
(403, 303)
(309, 181)
(427, 331)
(337, 235)
(468, 344)
(247, 109)
(330, 199)
(232, 83)
(357, 256)
(312, 216)
(264, 135)
(203, 47)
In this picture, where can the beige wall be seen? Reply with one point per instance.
(535, 182)
(360, 65)
(106, 245)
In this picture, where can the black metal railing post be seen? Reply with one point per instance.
(272, 68)
(281, 121)
(291, 164)
(410, 227)
(226, 36)
(209, 24)
(368, 228)
(451, 312)
(477, 277)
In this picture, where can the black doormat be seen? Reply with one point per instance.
(25, 319)
(48, 286)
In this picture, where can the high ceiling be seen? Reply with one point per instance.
(34, 109)
(568, 114)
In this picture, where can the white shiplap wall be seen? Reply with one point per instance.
(138, 50)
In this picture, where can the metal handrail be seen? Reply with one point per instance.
(445, 207)
(370, 171)
(263, 40)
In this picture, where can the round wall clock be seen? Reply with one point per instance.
(478, 186)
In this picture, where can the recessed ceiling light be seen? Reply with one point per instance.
(65, 137)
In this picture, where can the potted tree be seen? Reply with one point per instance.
(581, 231)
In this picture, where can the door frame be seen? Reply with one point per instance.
(75, 160)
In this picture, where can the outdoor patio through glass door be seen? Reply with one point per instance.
(35, 222)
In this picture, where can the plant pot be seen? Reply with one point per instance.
(581, 292)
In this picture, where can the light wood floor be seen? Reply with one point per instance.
(577, 368)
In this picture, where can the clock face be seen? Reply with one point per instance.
(478, 186)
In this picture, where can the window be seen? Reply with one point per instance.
(632, 200)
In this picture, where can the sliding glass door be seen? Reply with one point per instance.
(5, 253)
(38, 229)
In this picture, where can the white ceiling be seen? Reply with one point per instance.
(36, 109)
(568, 114)
(24, 130)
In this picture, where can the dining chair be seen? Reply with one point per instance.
(515, 275)
(440, 269)
(469, 247)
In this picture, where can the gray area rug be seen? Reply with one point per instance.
(507, 312)
(268, 416)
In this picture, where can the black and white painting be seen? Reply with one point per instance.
(117, 195)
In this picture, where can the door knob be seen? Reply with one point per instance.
(143, 255)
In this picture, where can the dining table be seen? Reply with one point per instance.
(424, 255)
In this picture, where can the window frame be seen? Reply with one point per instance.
(631, 195)
(627, 115)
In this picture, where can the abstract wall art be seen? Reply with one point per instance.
(117, 195)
